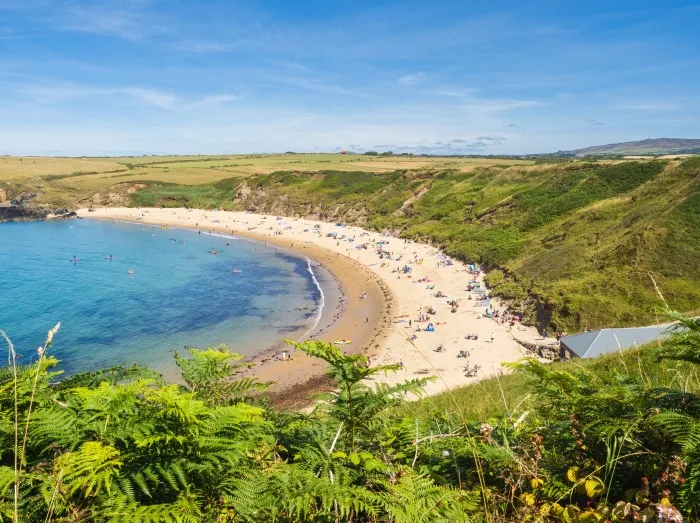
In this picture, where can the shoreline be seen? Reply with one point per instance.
(409, 285)
(297, 380)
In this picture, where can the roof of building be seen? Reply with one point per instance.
(603, 341)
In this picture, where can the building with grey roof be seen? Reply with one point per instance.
(604, 341)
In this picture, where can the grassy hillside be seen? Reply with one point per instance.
(68, 181)
(505, 395)
(574, 243)
(616, 439)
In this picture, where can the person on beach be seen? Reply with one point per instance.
(491, 336)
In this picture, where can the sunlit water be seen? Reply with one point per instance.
(179, 294)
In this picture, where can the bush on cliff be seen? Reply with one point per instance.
(603, 441)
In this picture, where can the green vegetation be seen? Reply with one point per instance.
(611, 440)
(572, 244)
(71, 181)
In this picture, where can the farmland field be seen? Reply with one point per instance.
(578, 235)
(65, 181)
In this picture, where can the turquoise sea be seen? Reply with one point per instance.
(178, 294)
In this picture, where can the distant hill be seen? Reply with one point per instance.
(650, 146)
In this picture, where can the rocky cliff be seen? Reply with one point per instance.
(21, 213)
(20, 209)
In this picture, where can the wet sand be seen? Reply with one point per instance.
(345, 315)
(390, 325)
(348, 317)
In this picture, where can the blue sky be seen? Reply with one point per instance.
(108, 77)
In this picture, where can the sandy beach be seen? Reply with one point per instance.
(407, 287)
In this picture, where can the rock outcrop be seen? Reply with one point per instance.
(24, 198)
(117, 195)
(546, 351)
(25, 213)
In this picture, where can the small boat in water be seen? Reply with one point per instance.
(213, 251)
(236, 271)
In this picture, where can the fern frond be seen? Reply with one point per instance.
(90, 469)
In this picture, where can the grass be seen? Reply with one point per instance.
(511, 394)
(21, 168)
(67, 181)
(570, 441)
(573, 244)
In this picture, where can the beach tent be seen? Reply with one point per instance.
(604, 341)
(430, 328)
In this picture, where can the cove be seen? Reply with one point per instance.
(160, 291)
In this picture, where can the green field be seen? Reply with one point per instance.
(67, 181)
(573, 244)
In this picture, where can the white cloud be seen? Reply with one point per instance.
(53, 93)
(204, 47)
(501, 105)
(212, 100)
(650, 105)
(123, 19)
(412, 79)
(150, 96)
(456, 92)
(474, 100)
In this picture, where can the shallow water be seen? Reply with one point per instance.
(179, 294)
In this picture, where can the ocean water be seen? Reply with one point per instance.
(179, 294)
